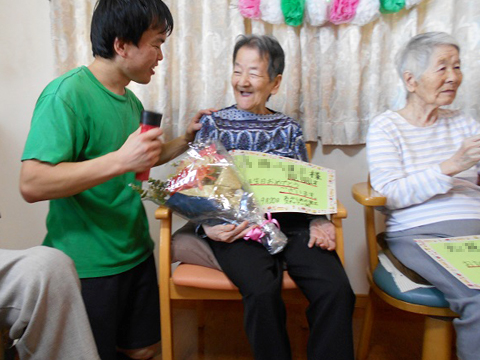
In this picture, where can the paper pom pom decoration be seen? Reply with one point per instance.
(367, 11)
(293, 11)
(411, 3)
(317, 11)
(391, 6)
(249, 8)
(320, 12)
(343, 11)
(271, 11)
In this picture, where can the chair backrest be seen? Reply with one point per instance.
(309, 145)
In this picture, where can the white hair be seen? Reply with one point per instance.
(415, 55)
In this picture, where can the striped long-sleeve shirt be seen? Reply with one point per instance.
(404, 163)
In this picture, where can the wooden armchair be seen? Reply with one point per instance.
(438, 333)
(194, 282)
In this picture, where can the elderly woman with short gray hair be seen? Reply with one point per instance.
(425, 160)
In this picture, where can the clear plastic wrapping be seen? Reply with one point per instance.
(207, 188)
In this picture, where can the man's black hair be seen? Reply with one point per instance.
(127, 20)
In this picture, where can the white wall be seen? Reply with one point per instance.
(351, 167)
(26, 66)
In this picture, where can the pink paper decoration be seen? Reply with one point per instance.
(343, 11)
(250, 8)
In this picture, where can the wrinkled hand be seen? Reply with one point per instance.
(140, 151)
(195, 125)
(227, 233)
(322, 234)
(467, 156)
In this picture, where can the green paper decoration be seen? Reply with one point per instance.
(293, 11)
(391, 6)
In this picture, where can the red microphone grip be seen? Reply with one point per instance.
(149, 120)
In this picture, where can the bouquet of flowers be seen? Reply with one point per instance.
(206, 188)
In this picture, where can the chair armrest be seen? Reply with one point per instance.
(162, 213)
(337, 222)
(341, 211)
(365, 195)
(369, 198)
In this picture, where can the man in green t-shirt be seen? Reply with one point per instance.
(82, 152)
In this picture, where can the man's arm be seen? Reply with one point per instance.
(173, 148)
(179, 145)
(45, 181)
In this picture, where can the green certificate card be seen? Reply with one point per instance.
(285, 185)
(459, 255)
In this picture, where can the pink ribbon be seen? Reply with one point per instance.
(257, 233)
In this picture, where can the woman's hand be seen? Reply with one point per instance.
(467, 156)
(227, 233)
(322, 234)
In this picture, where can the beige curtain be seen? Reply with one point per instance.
(336, 77)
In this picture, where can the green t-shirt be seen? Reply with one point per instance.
(103, 229)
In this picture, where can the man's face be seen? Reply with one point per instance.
(141, 60)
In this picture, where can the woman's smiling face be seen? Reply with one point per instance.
(250, 81)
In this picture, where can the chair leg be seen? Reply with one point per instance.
(298, 311)
(437, 339)
(166, 326)
(200, 304)
(365, 335)
(304, 323)
(200, 310)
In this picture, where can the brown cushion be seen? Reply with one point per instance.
(202, 277)
(188, 248)
(409, 273)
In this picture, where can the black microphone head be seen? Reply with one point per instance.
(151, 118)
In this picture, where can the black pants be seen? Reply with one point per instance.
(318, 273)
(124, 309)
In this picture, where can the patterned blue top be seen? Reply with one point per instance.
(274, 133)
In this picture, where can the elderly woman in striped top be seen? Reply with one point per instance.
(425, 160)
